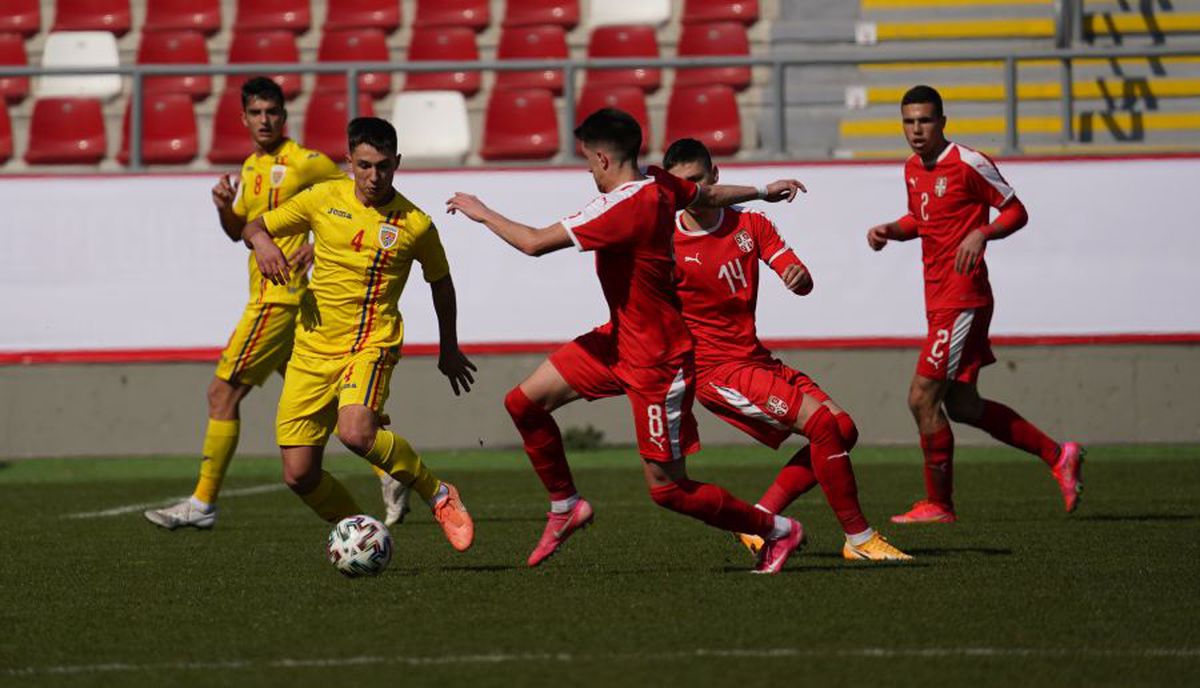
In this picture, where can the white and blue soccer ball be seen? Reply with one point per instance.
(360, 546)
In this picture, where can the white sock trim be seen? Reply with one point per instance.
(781, 529)
(857, 539)
(202, 506)
(562, 506)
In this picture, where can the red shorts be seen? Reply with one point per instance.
(661, 396)
(957, 345)
(760, 398)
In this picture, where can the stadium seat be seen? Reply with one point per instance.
(183, 15)
(520, 125)
(472, 14)
(249, 47)
(325, 121)
(267, 15)
(623, 12)
(230, 142)
(92, 15)
(709, 40)
(66, 131)
(79, 49)
(6, 137)
(13, 89)
(21, 16)
(432, 125)
(175, 47)
(532, 43)
(168, 130)
(699, 11)
(624, 41)
(443, 43)
(631, 99)
(363, 14)
(707, 113)
(355, 45)
(564, 13)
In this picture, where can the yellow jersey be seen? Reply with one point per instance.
(362, 259)
(268, 181)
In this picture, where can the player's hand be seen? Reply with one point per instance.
(271, 262)
(797, 279)
(877, 237)
(468, 205)
(455, 365)
(224, 193)
(969, 252)
(784, 190)
(302, 258)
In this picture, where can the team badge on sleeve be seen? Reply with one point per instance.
(278, 172)
(388, 235)
(939, 187)
(744, 241)
(777, 406)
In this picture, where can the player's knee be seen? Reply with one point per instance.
(847, 429)
(358, 439)
(962, 411)
(518, 405)
(301, 480)
(222, 399)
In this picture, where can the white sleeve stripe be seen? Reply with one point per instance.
(778, 253)
(571, 234)
(988, 171)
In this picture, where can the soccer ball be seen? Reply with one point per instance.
(360, 546)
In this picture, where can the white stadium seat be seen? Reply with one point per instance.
(80, 49)
(614, 12)
(432, 125)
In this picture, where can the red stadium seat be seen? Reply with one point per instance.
(266, 15)
(230, 142)
(66, 131)
(93, 15)
(363, 14)
(624, 41)
(742, 11)
(175, 47)
(325, 121)
(520, 125)
(355, 45)
(532, 43)
(21, 16)
(168, 130)
(472, 14)
(631, 99)
(724, 38)
(564, 13)
(183, 15)
(707, 113)
(6, 137)
(249, 47)
(13, 89)
(443, 43)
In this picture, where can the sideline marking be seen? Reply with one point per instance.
(130, 508)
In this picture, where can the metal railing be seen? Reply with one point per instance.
(778, 66)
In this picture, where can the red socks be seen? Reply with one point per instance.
(831, 464)
(543, 443)
(939, 466)
(1006, 425)
(794, 479)
(713, 505)
(798, 476)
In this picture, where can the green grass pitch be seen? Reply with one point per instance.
(1016, 593)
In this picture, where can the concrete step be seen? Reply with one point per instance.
(1125, 90)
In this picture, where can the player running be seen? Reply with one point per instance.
(367, 237)
(950, 189)
(717, 254)
(278, 169)
(644, 352)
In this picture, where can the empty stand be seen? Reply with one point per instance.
(355, 45)
(707, 113)
(13, 89)
(473, 14)
(230, 141)
(66, 131)
(709, 40)
(92, 15)
(624, 41)
(249, 47)
(80, 49)
(168, 130)
(622, 12)
(175, 47)
(325, 121)
(363, 14)
(631, 99)
(432, 125)
(743, 11)
(564, 13)
(264, 15)
(6, 137)
(520, 125)
(532, 43)
(179, 15)
(21, 16)
(443, 43)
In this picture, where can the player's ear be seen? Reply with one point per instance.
(716, 175)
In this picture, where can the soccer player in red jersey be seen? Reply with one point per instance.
(951, 190)
(644, 352)
(718, 251)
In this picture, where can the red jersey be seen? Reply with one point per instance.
(948, 202)
(630, 230)
(717, 281)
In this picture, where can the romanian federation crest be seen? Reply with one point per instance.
(388, 235)
(939, 187)
(278, 172)
(744, 241)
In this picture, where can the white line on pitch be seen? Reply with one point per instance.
(130, 508)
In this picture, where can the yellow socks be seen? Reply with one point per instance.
(379, 472)
(331, 500)
(396, 456)
(220, 441)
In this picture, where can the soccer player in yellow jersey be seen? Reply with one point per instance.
(262, 341)
(367, 236)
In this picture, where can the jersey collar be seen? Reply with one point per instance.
(703, 231)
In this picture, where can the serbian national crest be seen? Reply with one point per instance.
(939, 187)
(278, 172)
(388, 234)
(744, 241)
(776, 405)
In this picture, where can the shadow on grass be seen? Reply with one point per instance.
(1139, 518)
(482, 568)
(955, 551)
(844, 567)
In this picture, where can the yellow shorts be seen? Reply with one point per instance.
(315, 388)
(260, 345)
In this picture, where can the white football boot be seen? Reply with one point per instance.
(183, 514)
(395, 499)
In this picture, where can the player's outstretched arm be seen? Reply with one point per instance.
(797, 279)
(901, 230)
(1012, 217)
(271, 261)
(526, 239)
(451, 360)
(722, 195)
(224, 195)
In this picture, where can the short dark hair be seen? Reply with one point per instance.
(373, 131)
(684, 151)
(614, 129)
(262, 88)
(923, 94)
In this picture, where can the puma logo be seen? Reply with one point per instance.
(659, 442)
(692, 259)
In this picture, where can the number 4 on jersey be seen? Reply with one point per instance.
(356, 242)
(731, 272)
